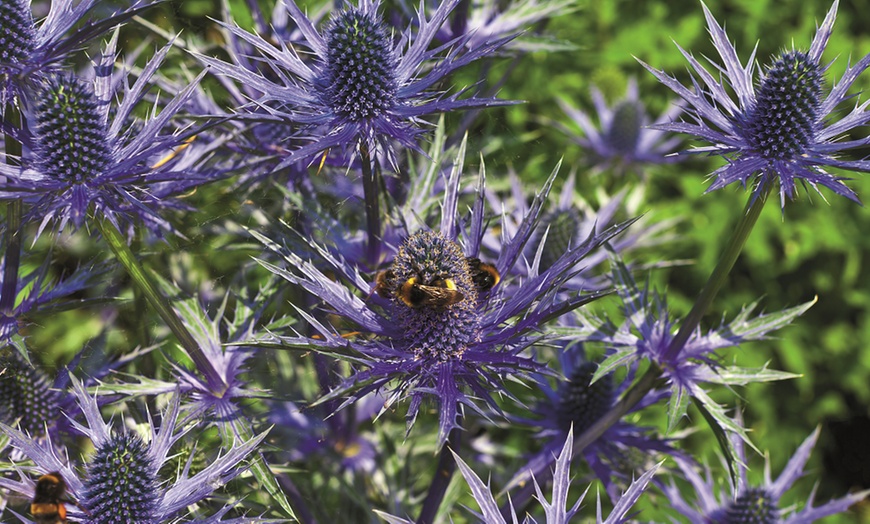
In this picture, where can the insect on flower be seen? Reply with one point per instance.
(47, 505)
(438, 293)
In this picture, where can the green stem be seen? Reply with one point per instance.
(371, 191)
(653, 376)
(12, 261)
(720, 273)
(443, 474)
(125, 256)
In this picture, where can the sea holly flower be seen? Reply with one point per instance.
(577, 402)
(746, 502)
(86, 155)
(362, 88)
(555, 510)
(782, 127)
(27, 51)
(121, 484)
(442, 324)
(647, 333)
(625, 137)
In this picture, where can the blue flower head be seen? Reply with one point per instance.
(84, 155)
(362, 87)
(626, 138)
(122, 484)
(443, 324)
(748, 503)
(782, 127)
(576, 402)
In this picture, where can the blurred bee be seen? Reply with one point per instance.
(441, 294)
(485, 276)
(47, 505)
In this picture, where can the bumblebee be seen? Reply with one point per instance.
(441, 294)
(47, 505)
(485, 276)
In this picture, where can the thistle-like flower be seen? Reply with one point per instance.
(626, 138)
(86, 155)
(782, 128)
(556, 510)
(28, 51)
(443, 324)
(576, 402)
(647, 333)
(363, 88)
(746, 503)
(121, 484)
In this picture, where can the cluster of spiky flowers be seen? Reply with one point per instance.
(364, 89)
(459, 308)
(443, 323)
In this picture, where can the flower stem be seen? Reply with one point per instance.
(653, 376)
(13, 223)
(446, 468)
(371, 190)
(720, 273)
(125, 256)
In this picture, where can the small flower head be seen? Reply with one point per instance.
(364, 88)
(623, 139)
(782, 127)
(25, 394)
(122, 482)
(577, 402)
(745, 503)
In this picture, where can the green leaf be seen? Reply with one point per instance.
(677, 407)
(622, 357)
(735, 375)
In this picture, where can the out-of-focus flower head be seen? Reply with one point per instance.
(747, 503)
(556, 510)
(625, 138)
(121, 484)
(782, 127)
(27, 51)
(442, 323)
(362, 88)
(84, 154)
(575, 402)
(318, 432)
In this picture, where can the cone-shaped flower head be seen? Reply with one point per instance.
(121, 482)
(623, 139)
(782, 128)
(746, 503)
(444, 323)
(25, 394)
(363, 88)
(580, 402)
